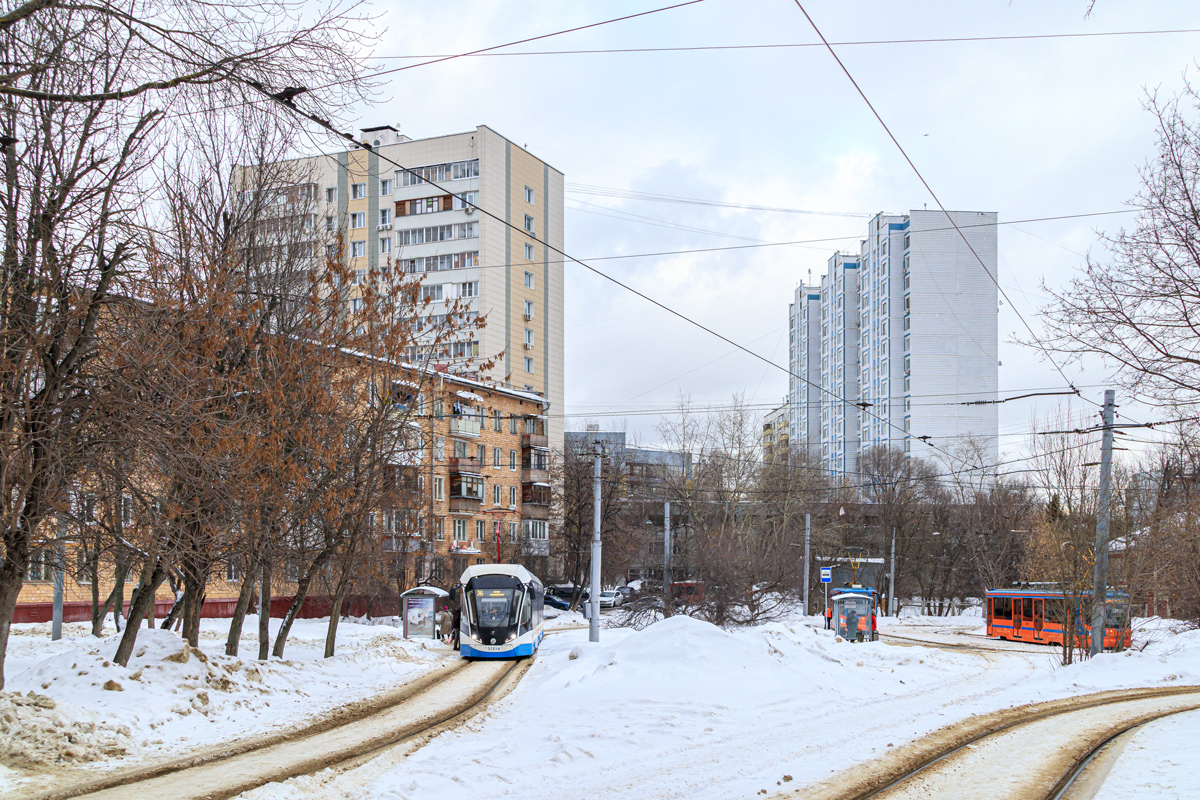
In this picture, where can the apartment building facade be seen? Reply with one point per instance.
(804, 361)
(472, 487)
(838, 375)
(478, 219)
(909, 330)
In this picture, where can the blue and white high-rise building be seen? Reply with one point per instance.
(908, 332)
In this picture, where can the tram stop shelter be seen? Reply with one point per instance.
(418, 608)
(854, 616)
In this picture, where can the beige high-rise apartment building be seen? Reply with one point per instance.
(506, 272)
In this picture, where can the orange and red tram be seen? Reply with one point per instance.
(1037, 615)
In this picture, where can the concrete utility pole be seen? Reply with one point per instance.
(594, 591)
(892, 579)
(1100, 571)
(807, 559)
(57, 613)
(667, 547)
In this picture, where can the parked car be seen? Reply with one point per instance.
(626, 592)
(611, 598)
(554, 601)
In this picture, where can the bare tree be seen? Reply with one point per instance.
(1140, 309)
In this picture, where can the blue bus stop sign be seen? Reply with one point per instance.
(826, 574)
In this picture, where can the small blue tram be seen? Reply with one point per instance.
(501, 611)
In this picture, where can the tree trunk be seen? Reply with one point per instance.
(193, 588)
(118, 590)
(239, 615)
(264, 613)
(142, 602)
(94, 573)
(335, 613)
(298, 601)
(177, 608)
(12, 576)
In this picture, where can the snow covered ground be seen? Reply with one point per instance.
(680, 709)
(1159, 762)
(67, 703)
(683, 709)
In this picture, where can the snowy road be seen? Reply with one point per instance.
(440, 703)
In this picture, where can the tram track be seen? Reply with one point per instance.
(982, 648)
(421, 710)
(1029, 752)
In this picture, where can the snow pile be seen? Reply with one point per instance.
(685, 704)
(35, 731)
(1171, 659)
(78, 705)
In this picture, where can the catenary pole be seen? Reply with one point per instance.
(594, 591)
(56, 619)
(1100, 570)
(892, 579)
(807, 560)
(667, 547)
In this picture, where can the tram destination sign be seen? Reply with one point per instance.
(826, 574)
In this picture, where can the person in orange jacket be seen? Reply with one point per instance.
(828, 618)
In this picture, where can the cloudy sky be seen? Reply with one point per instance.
(1028, 128)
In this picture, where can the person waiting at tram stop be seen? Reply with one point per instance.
(445, 624)
(851, 622)
(828, 618)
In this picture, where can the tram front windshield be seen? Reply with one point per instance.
(493, 599)
(492, 607)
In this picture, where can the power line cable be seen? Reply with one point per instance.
(794, 45)
(934, 195)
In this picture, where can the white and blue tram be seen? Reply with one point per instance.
(501, 611)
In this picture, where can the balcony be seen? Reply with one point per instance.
(535, 440)
(464, 426)
(535, 476)
(535, 547)
(465, 505)
(529, 511)
(467, 465)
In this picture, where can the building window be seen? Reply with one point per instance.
(460, 449)
(385, 245)
(331, 194)
(481, 455)
(535, 529)
(358, 191)
(480, 530)
(528, 309)
(496, 491)
(439, 449)
(497, 453)
(528, 252)
(439, 487)
(514, 530)
(460, 530)
(329, 224)
(528, 337)
(528, 280)
(512, 424)
(528, 195)
(359, 277)
(496, 421)
(529, 364)
(529, 224)
(233, 574)
(385, 186)
(512, 497)
(512, 460)
(439, 529)
(358, 249)
(358, 219)
(433, 292)
(356, 305)
(385, 216)
(126, 510)
(466, 200)
(468, 289)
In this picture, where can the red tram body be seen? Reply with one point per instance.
(1035, 616)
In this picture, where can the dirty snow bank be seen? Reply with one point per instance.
(69, 703)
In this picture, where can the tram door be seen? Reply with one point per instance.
(1018, 621)
(1039, 618)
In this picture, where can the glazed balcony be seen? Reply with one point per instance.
(465, 426)
(535, 440)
